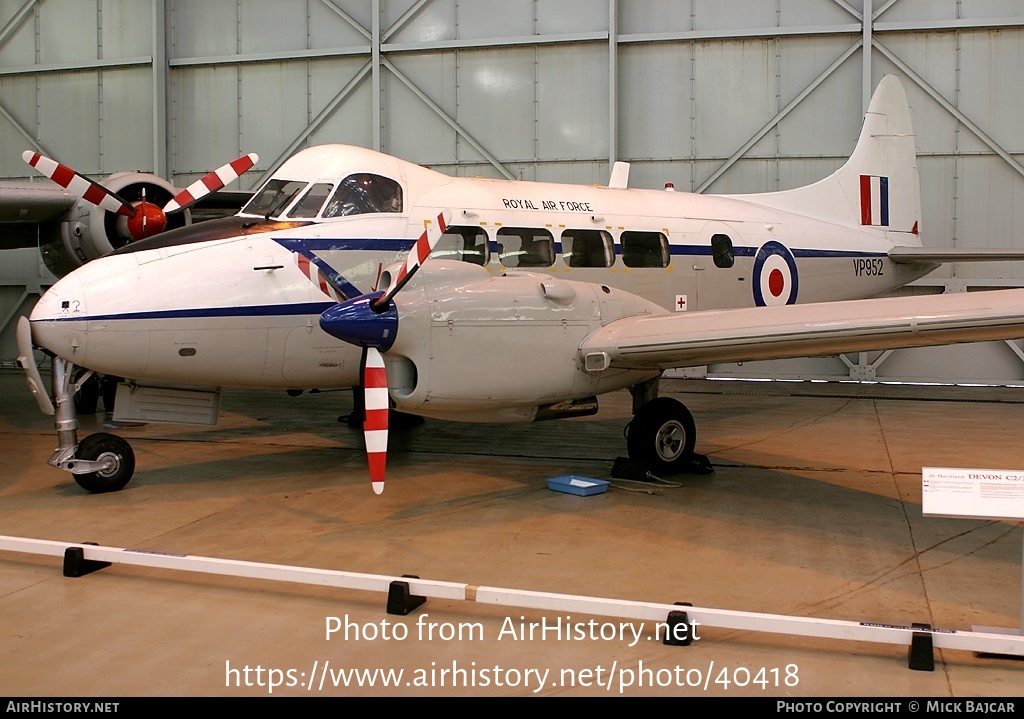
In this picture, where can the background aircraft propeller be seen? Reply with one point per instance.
(141, 219)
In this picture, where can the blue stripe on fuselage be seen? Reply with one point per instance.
(304, 308)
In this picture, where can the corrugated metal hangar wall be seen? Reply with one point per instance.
(713, 95)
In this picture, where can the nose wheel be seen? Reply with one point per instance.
(662, 435)
(116, 460)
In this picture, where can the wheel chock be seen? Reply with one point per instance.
(920, 657)
(400, 600)
(76, 565)
(678, 628)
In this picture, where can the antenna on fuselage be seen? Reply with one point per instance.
(620, 176)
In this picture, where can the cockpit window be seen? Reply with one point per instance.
(365, 193)
(312, 201)
(273, 198)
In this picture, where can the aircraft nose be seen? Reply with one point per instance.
(58, 319)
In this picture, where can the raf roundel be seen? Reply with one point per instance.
(775, 277)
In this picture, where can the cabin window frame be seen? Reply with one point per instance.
(591, 238)
(645, 249)
(540, 253)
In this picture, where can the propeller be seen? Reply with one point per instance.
(370, 321)
(143, 219)
(211, 182)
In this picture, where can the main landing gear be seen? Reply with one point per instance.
(662, 433)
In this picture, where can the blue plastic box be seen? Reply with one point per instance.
(582, 486)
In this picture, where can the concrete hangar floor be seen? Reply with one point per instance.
(815, 511)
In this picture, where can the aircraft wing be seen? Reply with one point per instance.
(34, 202)
(929, 255)
(826, 328)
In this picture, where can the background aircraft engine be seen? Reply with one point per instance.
(89, 231)
(475, 347)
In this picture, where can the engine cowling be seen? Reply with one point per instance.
(476, 347)
(88, 231)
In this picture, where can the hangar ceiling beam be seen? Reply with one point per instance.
(950, 108)
(497, 42)
(778, 118)
(78, 66)
(283, 56)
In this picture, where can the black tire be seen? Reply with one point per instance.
(99, 446)
(662, 436)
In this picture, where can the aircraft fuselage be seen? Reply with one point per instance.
(230, 306)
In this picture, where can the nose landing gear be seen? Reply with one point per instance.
(101, 462)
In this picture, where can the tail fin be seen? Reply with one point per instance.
(878, 186)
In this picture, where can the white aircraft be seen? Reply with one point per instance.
(536, 298)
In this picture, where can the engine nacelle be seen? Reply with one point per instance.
(476, 347)
(88, 231)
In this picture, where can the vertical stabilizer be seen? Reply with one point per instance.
(878, 186)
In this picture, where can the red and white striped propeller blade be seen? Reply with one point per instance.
(375, 424)
(417, 256)
(79, 185)
(211, 182)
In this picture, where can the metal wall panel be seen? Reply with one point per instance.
(127, 120)
(351, 123)
(413, 131)
(69, 122)
(126, 28)
(496, 106)
(203, 29)
(205, 123)
(67, 31)
(572, 102)
(655, 125)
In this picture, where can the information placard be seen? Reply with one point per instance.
(973, 493)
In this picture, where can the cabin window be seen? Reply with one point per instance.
(721, 251)
(274, 197)
(644, 249)
(466, 244)
(312, 201)
(365, 193)
(525, 247)
(587, 248)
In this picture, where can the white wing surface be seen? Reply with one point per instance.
(825, 328)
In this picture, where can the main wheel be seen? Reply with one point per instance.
(662, 435)
(100, 446)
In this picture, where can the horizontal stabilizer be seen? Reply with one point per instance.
(928, 255)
